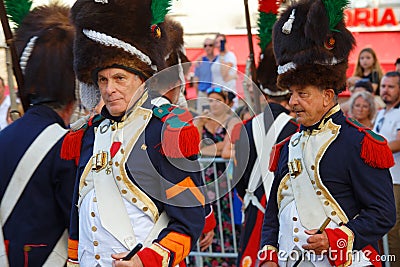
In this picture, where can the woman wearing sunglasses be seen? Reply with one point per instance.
(215, 127)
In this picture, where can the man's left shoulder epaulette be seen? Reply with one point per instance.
(275, 154)
(374, 148)
(71, 146)
(180, 137)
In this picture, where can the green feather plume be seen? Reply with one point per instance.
(17, 10)
(159, 9)
(334, 9)
(265, 23)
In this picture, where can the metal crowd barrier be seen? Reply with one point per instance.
(196, 256)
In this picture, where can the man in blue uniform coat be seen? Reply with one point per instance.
(332, 198)
(253, 193)
(36, 187)
(138, 180)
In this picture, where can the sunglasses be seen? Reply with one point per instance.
(210, 45)
(214, 90)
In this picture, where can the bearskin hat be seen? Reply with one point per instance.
(44, 41)
(312, 45)
(120, 33)
(267, 68)
(267, 74)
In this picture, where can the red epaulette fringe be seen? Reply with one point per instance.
(275, 154)
(376, 153)
(71, 146)
(181, 142)
(374, 148)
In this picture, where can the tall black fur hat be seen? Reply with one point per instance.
(312, 44)
(128, 34)
(267, 68)
(44, 41)
(267, 74)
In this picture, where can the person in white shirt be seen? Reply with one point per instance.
(387, 124)
(224, 69)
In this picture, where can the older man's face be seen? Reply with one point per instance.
(309, 103)
(119, 89)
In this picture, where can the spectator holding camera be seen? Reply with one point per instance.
(224, 68)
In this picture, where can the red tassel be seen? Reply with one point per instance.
(71, 146)
(181, 142)
(376, 153)
(275, 154)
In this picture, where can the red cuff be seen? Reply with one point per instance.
(210, 222)
(372, 255)
(150, 257)
(340, 246)
(268, 253)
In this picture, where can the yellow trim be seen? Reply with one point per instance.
(335, 206)
(269, 248)
(85, 173)
(128, 149)
(140, 195)
(280, 188)
(333, 110)
(350, 241)
(163, 252)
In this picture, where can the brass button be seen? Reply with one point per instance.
(145, 209)
(110, 162)
(285, 187)
(333, 213)
(134, 200)
(294, 218)
(27, 248)
(333, 131)
(113, 128)
(118, 178)
(123, 191)
(312, 181)
(116, 164)
(94, 228)
(296, 230)
(326, 202)
(312, 167)
(319, 193)
(94, 199)
(296, 239)
(95, 243)
(97, 257)
(143, 147)
(145, 117)
(92, 214)
(84, 183)
(122, 151)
